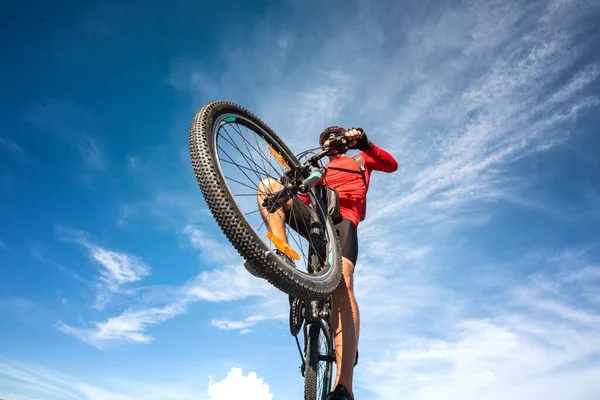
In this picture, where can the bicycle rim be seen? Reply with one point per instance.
(319, 363)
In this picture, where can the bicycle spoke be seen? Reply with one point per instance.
(243, 154)
(258, 151)
(237, 165)
(241, 183)
(257, 148)
(233, 162)
(257, 145)
(245, 157)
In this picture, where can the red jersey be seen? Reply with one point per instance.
(350, 186)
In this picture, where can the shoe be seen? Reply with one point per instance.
(251, 269)
(291, 263)
(340, 393)
(287, 258)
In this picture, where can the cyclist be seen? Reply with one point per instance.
(351, 182)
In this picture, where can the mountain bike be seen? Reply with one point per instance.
(232, 152)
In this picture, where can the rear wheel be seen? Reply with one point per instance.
(319, 361)
(232, 152)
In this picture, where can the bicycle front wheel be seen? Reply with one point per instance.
(232, 152)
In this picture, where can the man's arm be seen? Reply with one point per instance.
(378, 159)
(375, 157)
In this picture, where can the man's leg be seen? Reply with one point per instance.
(345, 323)
(275, 222)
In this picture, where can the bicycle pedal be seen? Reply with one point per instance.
(282, 246)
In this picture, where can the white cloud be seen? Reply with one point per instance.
(211, 249)
(38, 381)
(236, 385)
(90, 152)
(118, 270)
(37, 252)
(75, 126)
(95, 393)
(244, 325)
(3, 246)
(12, 146)
(230, 282)
(12, 396)
(23, 381)
(488, 358)
(23, 310)
(533, 337)
(128, 327)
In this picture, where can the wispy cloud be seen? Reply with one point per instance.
(127, 327)
(37, 252)
(118, 270)
(537, 340)
(210, 248)
(229, 282)
(75, 126)
(244, 325)
(13, 147)
(40, 383)
(3, 246)
(22, 309)
(219, 285)
(90, 152)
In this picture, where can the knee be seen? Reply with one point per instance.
(269, 185)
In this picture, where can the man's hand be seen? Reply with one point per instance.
(353, 135)
(358, 139)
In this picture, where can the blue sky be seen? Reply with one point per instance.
(479, 265)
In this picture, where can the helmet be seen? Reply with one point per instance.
(329, 130)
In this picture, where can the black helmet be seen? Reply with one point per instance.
(329, 130)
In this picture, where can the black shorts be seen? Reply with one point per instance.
(299, 219)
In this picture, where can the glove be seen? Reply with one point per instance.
(362, 144)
